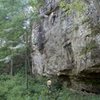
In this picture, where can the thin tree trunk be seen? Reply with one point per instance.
(11, 70)
(26, 71)
(27, 60)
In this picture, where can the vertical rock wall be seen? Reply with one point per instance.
(68, 44)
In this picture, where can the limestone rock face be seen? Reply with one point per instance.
(68, 45)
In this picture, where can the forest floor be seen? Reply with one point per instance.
(14, 88)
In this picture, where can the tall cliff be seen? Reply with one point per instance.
(68, 45)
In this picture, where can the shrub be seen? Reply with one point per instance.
(14, 88)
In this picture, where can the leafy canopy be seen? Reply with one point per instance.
(15, 15)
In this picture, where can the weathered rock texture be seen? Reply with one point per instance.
(68, 45)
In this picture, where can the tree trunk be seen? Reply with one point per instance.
(26, 71)
(27, 60)
(11, 70)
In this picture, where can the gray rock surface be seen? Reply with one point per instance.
(70, 47)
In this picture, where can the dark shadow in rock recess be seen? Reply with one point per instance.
(41, 39)
(89, 81)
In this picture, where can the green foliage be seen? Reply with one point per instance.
(64, 6)
(76, 5)
(4, 51)
(12, 18)
(13, 88)
(37, 3)
(11, 24)
(65, 94)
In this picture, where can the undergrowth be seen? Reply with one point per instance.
(14, 88)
